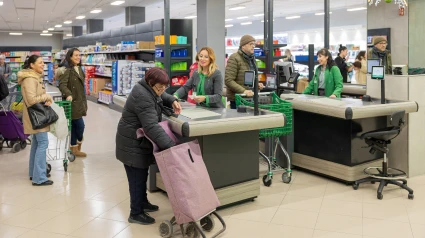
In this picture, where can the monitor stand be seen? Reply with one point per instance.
(382, 91)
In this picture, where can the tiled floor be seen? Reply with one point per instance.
(91, 200)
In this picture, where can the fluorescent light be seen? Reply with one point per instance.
(15, 34)
(236, 8)
(45, 34)
(293, 17)
(67, 22)
(116, 3)
(1, 3)
(68, 34)
(45, 31)
(229, 19)
(321, 13)
(230, 25)
(259, 15)
(51, 29)
(356, 9)
(96, 11)
(246, 23)
(58, 26)
(190, 17)
(80, 17)
(242, 17)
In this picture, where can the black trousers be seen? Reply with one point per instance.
(137, 179)
(232, 104)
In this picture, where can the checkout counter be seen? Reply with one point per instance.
(353, 90)
(229, 145)
(326, 133)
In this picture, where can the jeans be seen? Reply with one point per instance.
(77, 131)
(39, 146)
(137, 179)
(232, 104)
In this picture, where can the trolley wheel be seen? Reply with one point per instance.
(286, 177)
(191, 231)
(267, 182)
(71, 156)
(166, 229)
(380, 196)
(410, 196)
(16, 147)
(23, 144)
(49, 168)
(65, 166)
(355, 186)
(207, 223)
(1, 147)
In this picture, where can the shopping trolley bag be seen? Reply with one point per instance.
(186, 179)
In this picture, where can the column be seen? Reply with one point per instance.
(77, 31)
(210, 27)
(134, 15)
(94, 25)
(327, 22)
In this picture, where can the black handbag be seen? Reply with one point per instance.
(41, 116)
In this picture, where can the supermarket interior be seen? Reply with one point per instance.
(212, 118)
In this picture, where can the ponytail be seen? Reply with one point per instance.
(30, 60)
(341, 48)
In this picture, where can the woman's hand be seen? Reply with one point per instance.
(199, 99)
(177, 107)
(48, 103)
(332, 96)
(69, 98)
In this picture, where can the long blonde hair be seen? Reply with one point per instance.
(213, 66)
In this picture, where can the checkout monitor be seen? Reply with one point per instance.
(371, 63)
(284, 71)
(378, 72)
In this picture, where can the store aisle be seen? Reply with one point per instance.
(92, 200)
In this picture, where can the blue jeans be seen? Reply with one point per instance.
(37, 169)
(77, 131)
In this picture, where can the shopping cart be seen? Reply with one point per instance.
(62, 148)
(270, 101)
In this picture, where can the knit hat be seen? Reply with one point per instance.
(246, 39)
(378, 40)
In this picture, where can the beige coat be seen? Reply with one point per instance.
(33, 91)
(361, 77)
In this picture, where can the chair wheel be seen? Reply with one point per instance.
(71, 156)
(380, 196)
(65, 166)
(16, 147)
(166, 229)
(286, 177)
(267, 182)
(411, 196)
(207, 223)
(355, 186)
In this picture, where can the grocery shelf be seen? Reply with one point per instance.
(104, 75)
(122, 51)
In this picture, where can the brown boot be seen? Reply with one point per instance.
(79, 149)
(76, 152)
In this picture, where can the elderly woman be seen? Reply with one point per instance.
(143, 109)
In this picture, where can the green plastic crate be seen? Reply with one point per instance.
(272, 103)
(66, 105)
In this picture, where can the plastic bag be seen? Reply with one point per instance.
(60, 127)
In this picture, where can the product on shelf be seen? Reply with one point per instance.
(178, 80)
(126, 74)
(260, 64)
(145, 45)
(179, 66)
(174, 39)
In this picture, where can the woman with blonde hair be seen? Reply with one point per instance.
(207, 82)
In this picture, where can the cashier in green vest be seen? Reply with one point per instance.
(207, 82)
(327, 80)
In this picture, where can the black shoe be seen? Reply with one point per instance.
(48, 182)
(148, 207)
(48, 175)
(143, 219)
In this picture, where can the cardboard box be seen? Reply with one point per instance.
(145, 45)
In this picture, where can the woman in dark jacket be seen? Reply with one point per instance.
(71, 84)
(143, 109)
(207, 82)
(342, 64)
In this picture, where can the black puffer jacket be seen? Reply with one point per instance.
(142, 110)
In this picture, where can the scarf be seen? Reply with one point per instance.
(381, 54)
(251, 62)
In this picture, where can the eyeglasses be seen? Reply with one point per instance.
(383, 43)
(162, 88)
(252, 44)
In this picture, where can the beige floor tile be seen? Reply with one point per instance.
(295, 218)
(386, 211)
(386, 229)
(274, 230)
(244, 228)
(418, 230)
(135, 231)
(31, 218)
(338, 207)
(90, 208)
(118, 213)
(390, 192)
(41, 234)
(64, 224)
(303, 190)
(8, 211)
(309, 179)
(342, 192)
(417, 180)
(275, 188)
(269, 200)
(8, 231)
(417, 214)
(252, 212)
(338, 223)
(330, 234)
(60, 203)
(115, 194)
(302, 203)
(100, 228)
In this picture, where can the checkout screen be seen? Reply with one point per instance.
(378, 72)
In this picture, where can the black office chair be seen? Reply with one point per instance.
(377, 141)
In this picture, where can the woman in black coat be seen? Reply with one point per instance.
(143, 109)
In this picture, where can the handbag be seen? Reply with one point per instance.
(41, 116)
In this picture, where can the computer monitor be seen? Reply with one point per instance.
(284, 71)
(371, 63)
(378, 72)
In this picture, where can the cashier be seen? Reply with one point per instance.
(206, 82)
(327, 80)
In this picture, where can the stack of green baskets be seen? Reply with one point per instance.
(66, 105)
(275, 104)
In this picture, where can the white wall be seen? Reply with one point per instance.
(114, 22)
(416, 33)
(31, 39)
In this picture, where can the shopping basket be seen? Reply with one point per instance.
(270, 101)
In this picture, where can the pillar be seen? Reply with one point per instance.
(77, 31)
(94, 25)
(134, 15)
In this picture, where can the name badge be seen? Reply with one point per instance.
(315, 81)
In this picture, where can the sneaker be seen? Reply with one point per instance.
(48, 175)
(48, 182)
(143, 219)
(148, 207)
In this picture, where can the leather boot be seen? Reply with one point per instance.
(74, 150)
(79, 149)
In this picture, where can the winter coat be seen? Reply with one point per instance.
(213, 88)
(33, 91)
(373, 54)
(72, 84)
(361, 74)
(143, 109)
(235, 74)
(333, 82)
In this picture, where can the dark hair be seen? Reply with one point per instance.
(325, 52)
(341, 48)
(227, 55)
(64, 63)
(357, 64)
(156, 75)
(69, 55)
(30, 60)
(361, 55)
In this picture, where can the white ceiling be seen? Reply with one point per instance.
(37, 15)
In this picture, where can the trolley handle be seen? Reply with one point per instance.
(259, 94)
